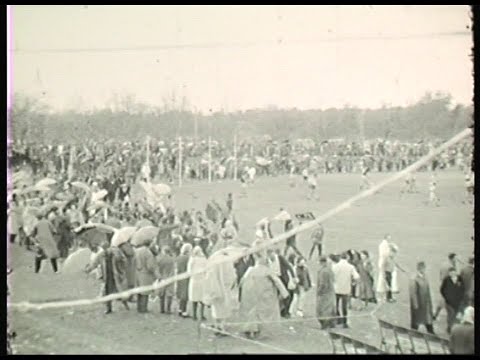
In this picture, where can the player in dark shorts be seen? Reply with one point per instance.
(292, 240)
(317, 240)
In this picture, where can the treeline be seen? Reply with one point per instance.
(433, 117)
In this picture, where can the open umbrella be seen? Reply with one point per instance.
(161, 189)
(46, 182)
(123, 235)
(81, 185)
(143, 223)
(77, 261)
(145, 234)
(114, 222)
(99, 195)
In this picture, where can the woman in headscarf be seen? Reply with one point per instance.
(182, 285)
(365, 290)
(260, 300)
(166, 269)
(197, 262)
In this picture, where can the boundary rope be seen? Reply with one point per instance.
(26, 306)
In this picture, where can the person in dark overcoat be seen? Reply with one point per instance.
(182, 285)
(421, 309)
(452, 290)
(325, 299)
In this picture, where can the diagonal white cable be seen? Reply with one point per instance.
(25, 306)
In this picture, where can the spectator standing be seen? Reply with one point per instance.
(325, 299)
(344, 275)
(452, 290)
(421, 309)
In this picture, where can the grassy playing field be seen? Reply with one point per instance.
(421, 232)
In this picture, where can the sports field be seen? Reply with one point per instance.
(421, 232)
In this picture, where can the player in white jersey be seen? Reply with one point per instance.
(366, 184)
(312, 186)
(433, 199)
(410, 184)
(251, 174)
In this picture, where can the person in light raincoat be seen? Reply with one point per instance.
(261, 290)
(220, 289)
(197, 262)
(383, 253)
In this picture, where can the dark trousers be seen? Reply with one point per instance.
(195, 306)
(388, 279)
(38, 264)
(142, 303)
(342, 308)
(285, 304)
(182, 306)
(451, 317)
(429, 327)
(315, 246)
(12, 238)
(165, 304)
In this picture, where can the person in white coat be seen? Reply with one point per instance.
(383, 253)
(344, 274)
(197, 262)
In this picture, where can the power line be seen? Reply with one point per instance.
(242, 44)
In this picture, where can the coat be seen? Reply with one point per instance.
(365, 290)
(145, 266)
(462, 339)
(64, 235)
(182, 285)
(421, 309)
(129, 253)
(166, 269)
(196, 284)
(113, 264)
(44, 232)
(453, 292)
(325, 299)
(344, 274)
(220, 290)
(261, 289)
(467, 274)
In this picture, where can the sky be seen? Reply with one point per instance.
(241, 57)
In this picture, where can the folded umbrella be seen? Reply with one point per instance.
(145, 234)
(123, 235)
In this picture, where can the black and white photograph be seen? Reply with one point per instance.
(240, 179)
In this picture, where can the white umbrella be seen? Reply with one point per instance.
(45, 182)
(77, 261)
(99, 195)
(145, 234)
(161, 189)
(123, 235)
